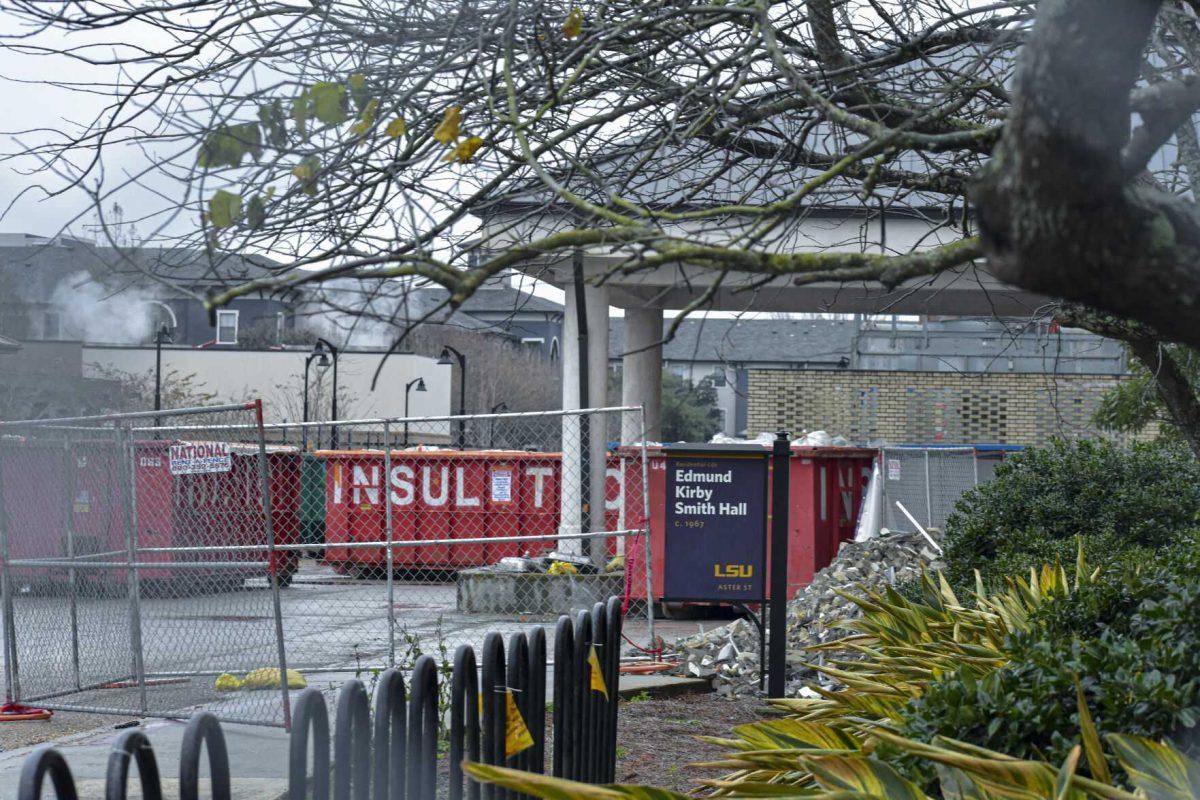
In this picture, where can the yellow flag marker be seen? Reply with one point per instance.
(516, 735)
(597, 679)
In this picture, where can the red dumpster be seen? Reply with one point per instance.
(53, 491)
(825, 494)
(436, 496)
(208, 494)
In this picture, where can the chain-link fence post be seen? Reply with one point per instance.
(72, 585)
(264, 480)
(389, 535)
(928, 494)
(647, 561)
(127, 458)
(12, 686)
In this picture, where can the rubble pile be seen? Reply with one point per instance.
(730, 654)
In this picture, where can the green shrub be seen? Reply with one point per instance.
(1040, 500)
(1132, 640)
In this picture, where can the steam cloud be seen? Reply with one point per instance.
(94, 313)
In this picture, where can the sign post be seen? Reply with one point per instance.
(781, 454)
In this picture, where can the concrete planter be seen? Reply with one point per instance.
(485, 591)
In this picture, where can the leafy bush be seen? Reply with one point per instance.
(1040, 500)
(1138, 667)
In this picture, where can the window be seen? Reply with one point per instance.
(227, 327)
(717, 378)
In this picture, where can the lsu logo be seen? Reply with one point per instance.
(733, 570)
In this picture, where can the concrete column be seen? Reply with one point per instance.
(641, 372)
(573, 492)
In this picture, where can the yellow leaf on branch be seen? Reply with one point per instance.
(447, 130)
(463, 151)
(396, 128)
(573, 25)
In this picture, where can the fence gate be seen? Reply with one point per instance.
(139, 563)
(146, 555)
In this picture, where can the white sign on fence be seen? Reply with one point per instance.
(193, 458)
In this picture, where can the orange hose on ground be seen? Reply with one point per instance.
(15, 712)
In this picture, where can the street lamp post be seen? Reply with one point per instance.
(322, 361)
(496, 409)
(326, 346)
(447, 353)
(163, 334)
(419, 385)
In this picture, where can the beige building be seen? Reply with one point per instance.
(926, 407)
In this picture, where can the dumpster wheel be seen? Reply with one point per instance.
(15, 712)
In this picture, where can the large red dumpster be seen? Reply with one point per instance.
(181, 506)
(54, 489)
(437, 495)
(60, 496)
(825, 493)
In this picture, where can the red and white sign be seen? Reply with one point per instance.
(195, 458)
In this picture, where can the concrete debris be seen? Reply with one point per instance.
(729, 654)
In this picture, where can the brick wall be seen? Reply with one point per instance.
(925, 407)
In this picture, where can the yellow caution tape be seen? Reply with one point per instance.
(516, 735)
(597, 678)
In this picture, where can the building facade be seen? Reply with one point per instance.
(903, 407)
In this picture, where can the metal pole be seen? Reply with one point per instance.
(975, 464)
(304, 430)
(12, 685)
(462, 400)
(645, 526)
(73, 589)
(264, 483)
(928, 493)
(407, 391)
(387, 510)
(126, 452)
(333, 430)
(777, 656)
(585, 436)
(158, 340)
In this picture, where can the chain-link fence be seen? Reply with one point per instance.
(147, 555)
(140, 562)
(928, 481)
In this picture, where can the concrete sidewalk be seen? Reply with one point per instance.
(257, 760)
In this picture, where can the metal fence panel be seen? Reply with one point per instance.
(153, 553)
(140, 563)
(929, 481)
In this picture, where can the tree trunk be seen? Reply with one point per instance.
(1058, 214)
(1175, 390)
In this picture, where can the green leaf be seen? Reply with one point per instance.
(227, 145)
(358, 90)
(1097, 763)
(366, 119)
(224, 209)
(1062, 782)
(550, 788)
(256, 212)
(781, 734)
(301, 114)
(396, 128)
(861, 774)
(306, 173)
(328, 102)
(1159, 770)
(272, 120)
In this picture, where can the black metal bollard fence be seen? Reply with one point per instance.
(394, 756)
